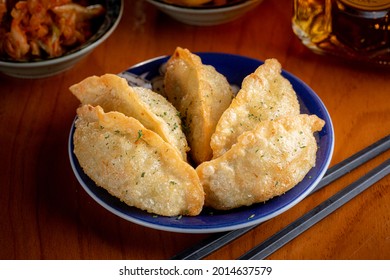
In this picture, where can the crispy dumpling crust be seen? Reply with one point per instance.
(112, 93)
(264, 95)
(265, 162)
(247, 150)
(134, 164)
(200, 94)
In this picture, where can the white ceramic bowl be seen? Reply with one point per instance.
(53, 66)
(206, 16)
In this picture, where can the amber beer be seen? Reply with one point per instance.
(357, 29)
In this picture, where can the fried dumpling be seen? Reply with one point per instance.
(134, 164)
(265, 162)
(112, 93)
(264, 95)
(200, 94)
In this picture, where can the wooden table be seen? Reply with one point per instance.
(45, 213)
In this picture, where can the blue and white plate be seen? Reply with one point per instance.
(235, 68)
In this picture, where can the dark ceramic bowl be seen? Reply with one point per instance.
(53, 66)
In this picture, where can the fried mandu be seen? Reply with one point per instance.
(265, 162)
(134, 164)
(264, 95)
(112, 93)
(201, 95)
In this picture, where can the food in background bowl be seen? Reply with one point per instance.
(202, 3)
(186, 2)
(206, 14)
(46, 65)
(37, 29)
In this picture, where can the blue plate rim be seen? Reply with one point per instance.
(175, 224)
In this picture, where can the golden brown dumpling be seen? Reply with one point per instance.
(264, 95)
(200, 94)
(134, 164)
(265, 162)
(112, 93)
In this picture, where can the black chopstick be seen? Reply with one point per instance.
(211, 244)
(218, 240)
(354, 161)
(318, 213)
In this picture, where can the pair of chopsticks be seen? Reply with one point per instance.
(309, 219)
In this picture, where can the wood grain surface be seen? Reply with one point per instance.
(45, 213)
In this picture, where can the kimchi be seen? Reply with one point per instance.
(40, 29)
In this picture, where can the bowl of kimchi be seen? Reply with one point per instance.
(41, 38)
